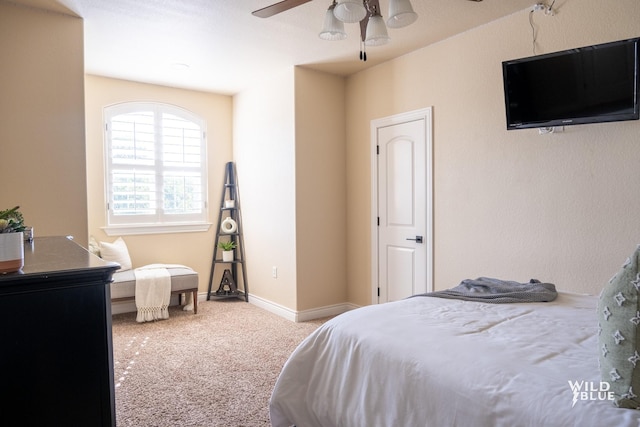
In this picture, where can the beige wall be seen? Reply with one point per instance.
(42, 127)
(289, 147)
(192, 249)
(320, 189)
(513, 205)
(264, 151)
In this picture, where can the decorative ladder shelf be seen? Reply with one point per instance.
(230, 231)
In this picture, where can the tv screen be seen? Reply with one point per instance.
(590, 84)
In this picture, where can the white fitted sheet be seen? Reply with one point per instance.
(428, 361)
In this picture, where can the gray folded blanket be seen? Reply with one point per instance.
(497, 291)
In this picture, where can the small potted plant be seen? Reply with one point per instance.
(227, 250)
(11, 240)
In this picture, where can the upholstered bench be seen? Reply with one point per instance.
(123, 288)
(183, 281)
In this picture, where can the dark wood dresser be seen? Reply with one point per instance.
(56, 351)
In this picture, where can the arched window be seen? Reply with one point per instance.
(156, 175)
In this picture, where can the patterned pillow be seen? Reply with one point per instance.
(619, 335)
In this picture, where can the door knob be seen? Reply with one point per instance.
(418, 239)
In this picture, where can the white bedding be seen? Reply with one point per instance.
(437, 362)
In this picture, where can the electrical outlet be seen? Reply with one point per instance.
(538, 6)
(274, 272)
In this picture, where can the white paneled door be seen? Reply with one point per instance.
(403, 184)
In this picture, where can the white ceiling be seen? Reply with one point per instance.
(226, 48)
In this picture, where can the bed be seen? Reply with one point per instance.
(426, 361)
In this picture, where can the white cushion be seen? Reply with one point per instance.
(116, 252)
(94, 246)
(124, 282)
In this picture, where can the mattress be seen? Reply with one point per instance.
(428, 361)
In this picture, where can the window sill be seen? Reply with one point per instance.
(127, 230)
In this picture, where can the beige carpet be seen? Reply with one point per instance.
(216, 368)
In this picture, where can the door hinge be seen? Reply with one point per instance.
(378, 221)
(378, 292)
(377, 149)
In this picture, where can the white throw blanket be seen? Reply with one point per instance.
(153, 291)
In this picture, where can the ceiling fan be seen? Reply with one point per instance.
(373, 31)
(279, 7)
(285, 5)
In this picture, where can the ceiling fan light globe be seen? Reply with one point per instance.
(350, 11)
(376, 34)
(333, 29)
(401, 14)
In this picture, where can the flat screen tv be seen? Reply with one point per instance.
(590, 84)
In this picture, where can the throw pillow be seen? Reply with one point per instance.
(94, 246)
(619, 335)
(116, 252)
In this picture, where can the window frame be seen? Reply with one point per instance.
(160, 221)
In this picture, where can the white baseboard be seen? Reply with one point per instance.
(301, 316)
(287, 313)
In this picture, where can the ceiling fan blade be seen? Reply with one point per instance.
(276, 8)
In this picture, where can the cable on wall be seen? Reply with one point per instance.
(534, 33)
(548, 10)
